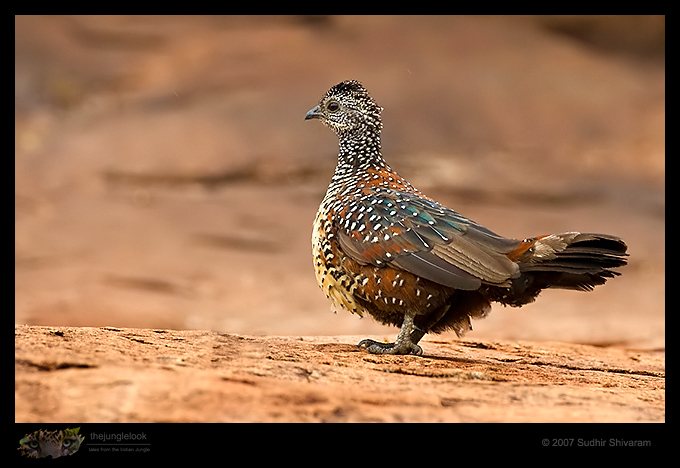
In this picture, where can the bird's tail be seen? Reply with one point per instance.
(570, 260)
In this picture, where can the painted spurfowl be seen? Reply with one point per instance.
(381, 247)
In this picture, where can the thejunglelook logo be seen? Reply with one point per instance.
(55, 444)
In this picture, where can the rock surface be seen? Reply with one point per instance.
(65, 374)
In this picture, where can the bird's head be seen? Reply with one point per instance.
(347, 108)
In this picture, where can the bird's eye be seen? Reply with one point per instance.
(333, 106)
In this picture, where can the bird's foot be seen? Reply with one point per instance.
(398, 347)
(406, 342)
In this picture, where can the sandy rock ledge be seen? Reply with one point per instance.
(66, 374)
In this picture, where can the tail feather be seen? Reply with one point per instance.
(570, 260)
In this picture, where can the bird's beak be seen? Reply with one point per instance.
(313, 114)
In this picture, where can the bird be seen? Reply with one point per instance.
(385, 249)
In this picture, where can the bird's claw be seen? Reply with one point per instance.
(403, 347)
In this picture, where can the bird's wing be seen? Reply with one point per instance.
(406, 231)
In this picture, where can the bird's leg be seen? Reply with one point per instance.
(406, 342)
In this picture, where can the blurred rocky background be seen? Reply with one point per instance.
(165, 177)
